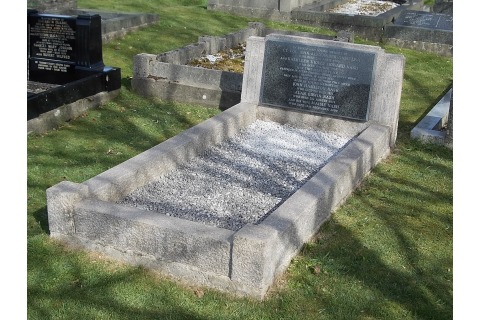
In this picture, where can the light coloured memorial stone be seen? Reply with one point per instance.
(229, 202)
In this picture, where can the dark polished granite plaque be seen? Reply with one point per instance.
(422, 19)
(322, 79)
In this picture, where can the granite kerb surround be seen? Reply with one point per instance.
(430, 129)
(245, 262)
(118, 24)
(423, 31)
(268, 9)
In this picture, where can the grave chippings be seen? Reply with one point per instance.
(229, 202)
(365, 7)
(242, 179)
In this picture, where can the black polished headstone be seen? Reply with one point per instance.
(317, 78)
(422, 19)
(61, 48)
(65, 63)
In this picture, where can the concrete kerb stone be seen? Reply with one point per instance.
(421, 39)
(267, 9)
(167, 76)
(117, 24)
(158, 236)
(210, 45)
(61, 199)
(437, 48)
(429, 128)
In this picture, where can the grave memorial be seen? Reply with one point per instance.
(65, 64)
(242, 258)
(419, 30)
(171, 75)
(319, 13)
(114, 24)
(422, 19)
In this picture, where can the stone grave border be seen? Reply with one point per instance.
(380, 28)
(167, 75)
(429, 127)
(422, 39)
(117, 24)
(244, 262)
(267, 9)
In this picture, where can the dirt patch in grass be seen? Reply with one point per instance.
(232, 60)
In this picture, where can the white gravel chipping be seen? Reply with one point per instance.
(243, 179)
(364, 7)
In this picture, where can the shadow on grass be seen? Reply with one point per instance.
(41, 216)
(401, 195)
(81, 149)
(409, 223)
(64, 288)
(101, 139)
(423, 296)
(126, 84)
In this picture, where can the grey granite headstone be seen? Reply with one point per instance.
(322, 79)
(422, 19)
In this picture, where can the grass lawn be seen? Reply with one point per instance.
(387, 253)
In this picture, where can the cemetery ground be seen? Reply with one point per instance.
(387, 253)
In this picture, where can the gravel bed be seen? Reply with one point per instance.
(243, 179)
(364, 7)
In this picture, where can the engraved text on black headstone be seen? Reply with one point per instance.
(52, 38)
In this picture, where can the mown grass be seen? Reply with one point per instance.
(385, 254)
